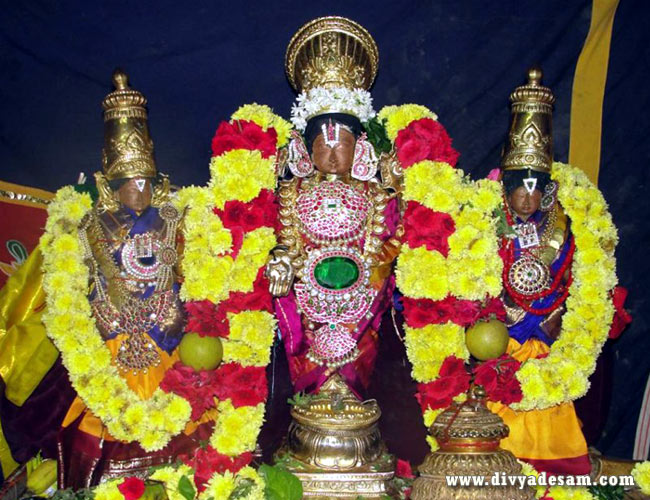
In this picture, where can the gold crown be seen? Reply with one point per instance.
(331, 52)
(530, 140)
(128, 149)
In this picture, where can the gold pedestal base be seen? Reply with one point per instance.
(432, 483)
(334, 445)
(341, 485)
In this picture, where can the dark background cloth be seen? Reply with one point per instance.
(196, 62)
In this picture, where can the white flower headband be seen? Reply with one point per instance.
(320, 100)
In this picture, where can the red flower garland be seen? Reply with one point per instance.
(497, 377)
(206, 461)
(242, 385)
(452, 381)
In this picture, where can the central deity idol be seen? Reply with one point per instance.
(331, 272)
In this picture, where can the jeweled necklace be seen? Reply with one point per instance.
(134, 316)
(527, 278)
(330, 221)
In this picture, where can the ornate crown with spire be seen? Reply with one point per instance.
(128, 149)
(530, 139)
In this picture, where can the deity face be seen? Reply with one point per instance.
(523, 203)
(136, 193)
(336, 159)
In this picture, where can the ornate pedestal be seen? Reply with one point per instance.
(334, 445)
(468, 435)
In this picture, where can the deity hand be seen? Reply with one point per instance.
(279, 271)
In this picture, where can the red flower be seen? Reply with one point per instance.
(258, 299)
(260, 211)
(204, 318)
(424, 139)
(404, 469)
(423, 226)
(199, 388)
(242, 134)
(497, 376)
(493, 307)
(421, 312)
(453, 380)
(206, 461)
(622, 318)
(244, 385)
(132, 488)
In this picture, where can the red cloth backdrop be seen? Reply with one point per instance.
(22, 221)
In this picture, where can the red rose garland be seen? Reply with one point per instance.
(427, 139)
(242, 385)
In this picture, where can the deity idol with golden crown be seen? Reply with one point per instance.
(130, 243)
(108, 299)
(538, 249)
(331, 272)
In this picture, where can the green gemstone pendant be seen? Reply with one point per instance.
(336, 273)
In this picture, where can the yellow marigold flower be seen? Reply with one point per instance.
(641, 475)
(422, 273)
(170, 476)
(257, 492)
(399, 117)
(430, 416)
(219, 486)
(433, 444)
(242, 174)
(179, 408)
(577, 386)
(109, 490)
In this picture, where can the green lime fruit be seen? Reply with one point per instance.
(200, 353)
(487, 339)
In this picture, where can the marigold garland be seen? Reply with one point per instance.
(70, 325)
(217, 264)
(232, 234)
(469, 270)
(564, 374)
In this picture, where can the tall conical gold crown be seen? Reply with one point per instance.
(128, 149)
(331, 52)
(530, 138)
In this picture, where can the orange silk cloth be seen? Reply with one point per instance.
(551, 434)
(142, 383)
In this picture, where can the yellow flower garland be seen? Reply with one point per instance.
(209, 274)
(563, 375)
(472, 270)
(70, 325)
